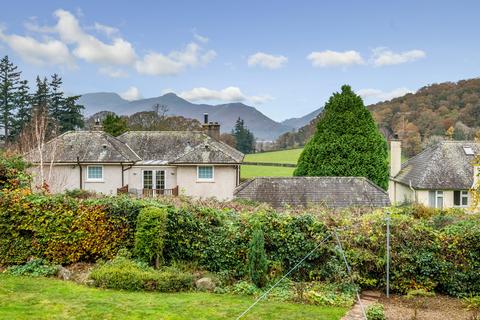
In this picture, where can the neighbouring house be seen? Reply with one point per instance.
(145, 163)
(441, 176)
(331, 192)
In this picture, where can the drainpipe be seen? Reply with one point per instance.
(81, 173)
(414, 192)
(121, 163)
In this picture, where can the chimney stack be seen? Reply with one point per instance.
(210, 128)
(97, 126)
(395, 157)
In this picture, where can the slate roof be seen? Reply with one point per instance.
(332, 192)
(444, 166)
(180, 147)
(141, 147)
(88, 146)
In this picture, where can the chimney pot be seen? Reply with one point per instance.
(205, 118)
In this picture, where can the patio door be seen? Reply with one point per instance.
(154, 180)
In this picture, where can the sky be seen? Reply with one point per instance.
(283, 57)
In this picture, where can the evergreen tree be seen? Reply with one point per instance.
(70, 117)
(40, 99)
(245, 140)
(346, 143)
(56, 98)
(24, 110)
(9, 79)
(114, 125)
(257, 259)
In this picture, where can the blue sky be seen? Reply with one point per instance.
(283, 57)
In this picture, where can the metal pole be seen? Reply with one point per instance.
(388, 253)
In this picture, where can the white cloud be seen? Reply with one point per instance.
(131, 94)
(375, 95)
(175, 62)
(89, 48)
(46, 52)
(266, 60)
(229, 94)
(200, 38)
(329, 58)
(113, 72)
(384, 57)
(107, 30)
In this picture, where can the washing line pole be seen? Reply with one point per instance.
(350, 273)
(388, 254)
(286, 275)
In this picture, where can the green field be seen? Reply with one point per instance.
(247, 172)
(283, 156)
(44, 298)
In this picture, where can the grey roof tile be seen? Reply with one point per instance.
(441, 166)
(87, 146)
(333, 192)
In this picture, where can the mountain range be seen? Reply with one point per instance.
(262, 126)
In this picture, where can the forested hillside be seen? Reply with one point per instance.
(439, 111)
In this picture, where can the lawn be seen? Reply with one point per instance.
(43, 298)
(265, 171)
(283, 156)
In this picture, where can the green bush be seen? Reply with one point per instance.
(257, 260)
(150, 234)
(376, 311)
(245, 288)
(123, 273)
(35, 268)
(328, 294)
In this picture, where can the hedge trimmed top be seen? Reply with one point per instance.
(346, 143)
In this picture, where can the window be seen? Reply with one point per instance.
(150, 177)
(460, 198)
(205, 173)
(435, 199)
(439, 199)
(94, 173)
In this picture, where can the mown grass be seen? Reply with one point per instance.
(283, 156)
(44, 298)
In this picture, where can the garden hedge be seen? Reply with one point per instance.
(439, 251)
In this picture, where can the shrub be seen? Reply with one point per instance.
(126, 274)
(329, 295)
(376, 311)
(245, 288)
(257, 260)
(13, 172)
(418, 299)
(150, 235)
(35, 268)
(472, 304)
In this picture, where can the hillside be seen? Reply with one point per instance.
(302, 121)
(419, 118)
(226, 114)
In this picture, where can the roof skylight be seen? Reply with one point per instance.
(468, 151)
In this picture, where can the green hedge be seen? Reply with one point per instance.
(433, 250)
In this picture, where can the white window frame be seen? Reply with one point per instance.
(154, 178)
(439, 194)
(212, 179)
(102, 179)
(463, 194)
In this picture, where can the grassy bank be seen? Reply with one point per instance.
(44, 298)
